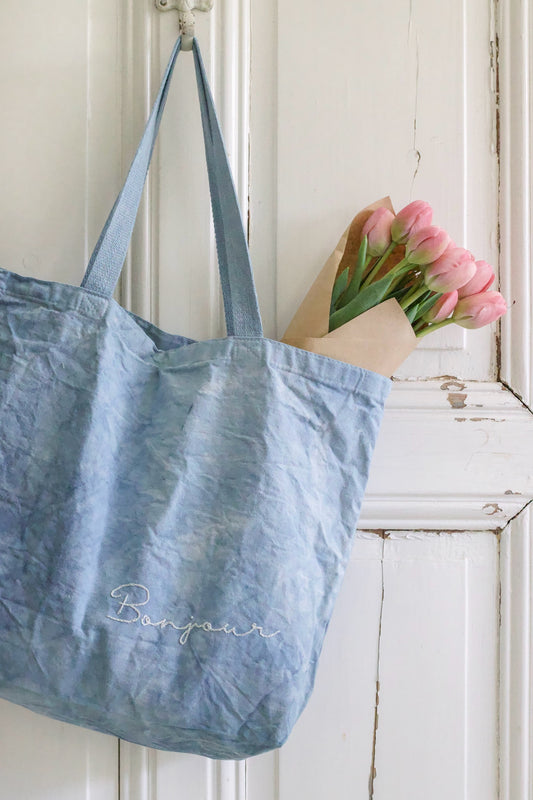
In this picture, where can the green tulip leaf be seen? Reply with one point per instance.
(427, 303)
(357, 276)
(339, 287)
(366, 299)
(412, 312)
(398, 293)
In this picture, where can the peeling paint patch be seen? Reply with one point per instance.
(478, 419)
(510, 491)
(452, 384)
(492, 508)
(457, 399)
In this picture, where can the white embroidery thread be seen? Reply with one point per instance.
(120, 593)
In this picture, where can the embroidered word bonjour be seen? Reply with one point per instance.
(127, 590)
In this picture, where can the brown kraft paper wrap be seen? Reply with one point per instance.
(378, 340)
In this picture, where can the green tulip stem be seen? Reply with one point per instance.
(377, 266)
(434, 327)
(413, 295)
(402, 269)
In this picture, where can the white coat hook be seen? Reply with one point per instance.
(185, 9)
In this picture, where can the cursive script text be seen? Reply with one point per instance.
(133, 596)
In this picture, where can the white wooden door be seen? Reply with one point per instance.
(423, 687)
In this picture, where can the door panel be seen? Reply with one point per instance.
(43, 759)
(406, 700)
(381, 98)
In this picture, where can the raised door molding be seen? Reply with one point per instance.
(516, 150)
(224, 35)
(451, 455)
(44, 759)
(516, 662)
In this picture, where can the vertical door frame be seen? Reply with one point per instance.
(514, 58)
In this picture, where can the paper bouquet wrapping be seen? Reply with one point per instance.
(378, 340)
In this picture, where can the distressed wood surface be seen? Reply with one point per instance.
(406, 699)
(438, 670)
(322, 113)
(515, 55)
(376, 99)
(452, 455)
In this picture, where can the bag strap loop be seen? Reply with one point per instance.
(240, 300)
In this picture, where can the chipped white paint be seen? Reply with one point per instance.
(186, 18)
(451, 455)
(516, 117)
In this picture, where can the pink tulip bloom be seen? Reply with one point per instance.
(426, 245)
(454, 268)
(411, 219)
(377, 228)
(442, 308)
(480, 309)
(482, 280)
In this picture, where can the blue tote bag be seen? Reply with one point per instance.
(175, 515)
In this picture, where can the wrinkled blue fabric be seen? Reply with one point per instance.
(175, 516)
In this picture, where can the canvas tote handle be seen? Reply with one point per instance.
(240, 300)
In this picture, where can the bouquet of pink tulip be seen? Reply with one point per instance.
(403, 256)
(391, 279)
